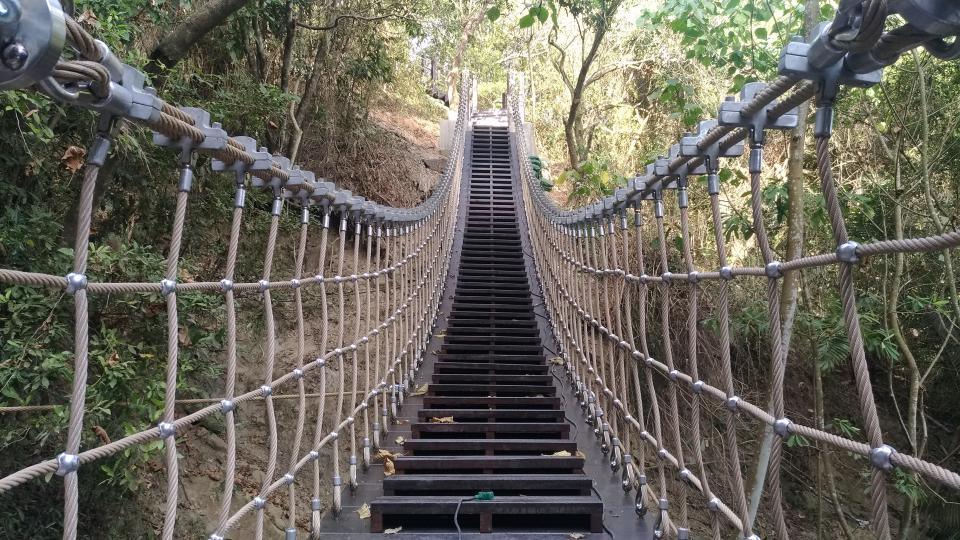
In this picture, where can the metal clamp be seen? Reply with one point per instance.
(75, 282)
(782, 427)
(214, 136)
(32, 36)
(67, 463)
(880, 457)
(733, 113)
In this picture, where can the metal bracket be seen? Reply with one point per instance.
(262, 161)
(32, 36)
(820, 64)
(214, 137)
(690, 147)
(732, 113)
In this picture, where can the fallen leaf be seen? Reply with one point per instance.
(560, 453)
(384, 454)
(388, 468)
(364, 511)
(395, 530)
(102, 434)
(185, 276)
(556, 360)
(421, 390)
(88, 16)
(184, 337)
(576, 536)
(113, 359)
(442, 420)
(400, 440)
(73, 158)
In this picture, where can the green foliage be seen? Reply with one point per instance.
(797, 441)
(591, 180)
(677, 96)
(741, 38)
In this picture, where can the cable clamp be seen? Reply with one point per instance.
(773, 271)
(227, 405)
(732, 403)
(167, 287)
(259, 502)
(76, 282)
(67, 463)
(847, 252)
(733, 113)
(782, 427)
(880, 457)
(167, 429)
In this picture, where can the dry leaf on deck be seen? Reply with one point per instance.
(560, 453)
(395, 530)
(576, 536)
(388, 468)
(400, 440)
(421, 390)
(384, 454)
(442, 420)
(556, 360)
(364, 511)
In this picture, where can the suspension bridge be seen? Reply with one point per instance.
(500, 366)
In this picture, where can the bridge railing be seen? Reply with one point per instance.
(399, 259)
(610, 301)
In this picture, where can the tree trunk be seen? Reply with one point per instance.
(177, 43)
(263, 66)
(570, 125)
(795, 234)
(468, 29)
(286, 64)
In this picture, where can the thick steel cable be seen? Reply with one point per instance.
(693, 308)
(230, 468)
(321, 347)
(667, 345)
(300, 352)
(851, 317)
(269, 357)
(173, 351)
(730, 419)
(80, 347)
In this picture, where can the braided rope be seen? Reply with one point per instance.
(580, 271)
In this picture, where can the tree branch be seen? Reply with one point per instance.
(336, 21)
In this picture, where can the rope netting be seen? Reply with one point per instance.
(383, 309)
(611, 302)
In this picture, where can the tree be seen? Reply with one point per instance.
(176, 44)
(593, 19)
